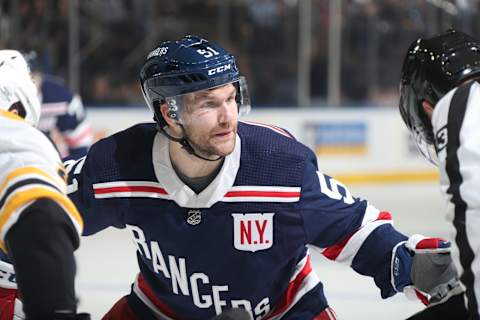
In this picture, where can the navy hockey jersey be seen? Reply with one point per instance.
(63, 118)
(240, 242)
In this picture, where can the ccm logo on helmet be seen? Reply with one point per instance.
(219, 69)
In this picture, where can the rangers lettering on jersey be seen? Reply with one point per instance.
(175, 269)
(267, 204)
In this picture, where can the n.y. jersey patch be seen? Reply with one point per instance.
(252, 231)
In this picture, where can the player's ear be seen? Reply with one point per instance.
(427, 108)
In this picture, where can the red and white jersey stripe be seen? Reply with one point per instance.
(54, 108)
(129, 189)
(345, 251)
(150, 189)
(147, 296)
(79, 137)
(327, 314)
(262, 194)
(303, 280)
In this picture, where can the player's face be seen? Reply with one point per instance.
(210, 121)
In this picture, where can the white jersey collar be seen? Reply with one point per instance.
(179, 191)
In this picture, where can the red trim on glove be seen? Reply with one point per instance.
(421, 297)
(430, 243)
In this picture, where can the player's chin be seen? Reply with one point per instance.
(225, 148)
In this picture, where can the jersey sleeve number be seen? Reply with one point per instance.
(69, 166)
(332, 191)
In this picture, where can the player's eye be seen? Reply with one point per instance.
(208, 105)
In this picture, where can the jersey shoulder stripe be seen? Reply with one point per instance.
(151, 189)
(130, 189)
(262, 194)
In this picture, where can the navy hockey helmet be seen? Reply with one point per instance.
(431, 68)
(187, 65)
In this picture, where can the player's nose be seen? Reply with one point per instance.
(226, 113)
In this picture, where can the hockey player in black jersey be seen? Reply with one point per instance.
(439, 103)
(198, 178)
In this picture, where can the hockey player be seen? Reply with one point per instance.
(222, 211)
(439, 103)
(62, 116)
(39, 225)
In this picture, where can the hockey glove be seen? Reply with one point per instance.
(422, 268)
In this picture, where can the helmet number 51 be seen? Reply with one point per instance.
(208, 53)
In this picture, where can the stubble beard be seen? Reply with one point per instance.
(207, 148)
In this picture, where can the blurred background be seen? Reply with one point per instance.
(295, 53)
(326, 70)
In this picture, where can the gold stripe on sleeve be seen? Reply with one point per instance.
(58, 182)
(10, 115)
(19, 198)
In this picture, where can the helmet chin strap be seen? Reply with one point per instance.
(185, 143)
